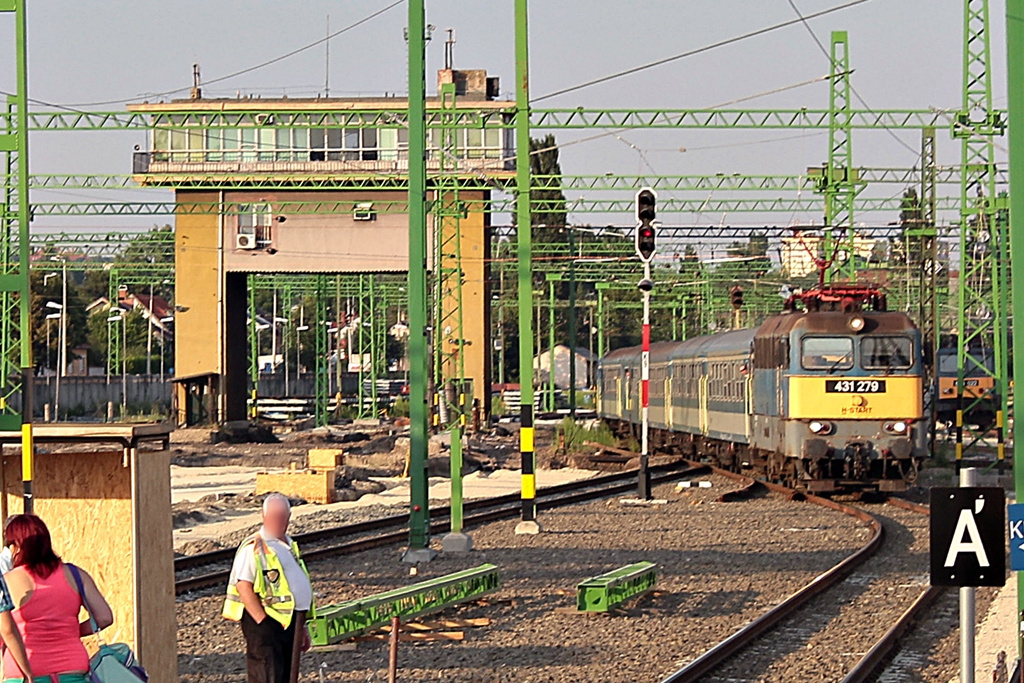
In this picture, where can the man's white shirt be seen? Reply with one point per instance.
(244, 569)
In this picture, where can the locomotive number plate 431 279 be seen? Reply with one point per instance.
(855, 386)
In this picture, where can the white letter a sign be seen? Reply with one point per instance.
(966, 525)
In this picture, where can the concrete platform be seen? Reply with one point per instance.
(232, 479)
(997, 632)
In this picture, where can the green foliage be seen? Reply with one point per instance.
(576, 435)
(498, 406)
(400, 408)
(52, 291)
(549, 214)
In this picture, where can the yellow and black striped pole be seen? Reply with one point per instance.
(529, 483)
(27, 441)
(524, 272)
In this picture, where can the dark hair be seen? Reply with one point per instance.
(35, 551)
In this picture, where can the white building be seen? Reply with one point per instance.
(584, 362)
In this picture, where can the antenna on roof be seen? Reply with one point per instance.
(197, 92)
(449, 49)
(327, 60)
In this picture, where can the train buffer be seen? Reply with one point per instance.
(607, 591)
(335, 623)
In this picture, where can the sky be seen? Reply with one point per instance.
(905, 54)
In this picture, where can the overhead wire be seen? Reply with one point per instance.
(261, 65)
(804, 20)
(695, 51)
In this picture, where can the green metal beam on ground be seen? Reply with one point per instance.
(606, 592)
(335, 623)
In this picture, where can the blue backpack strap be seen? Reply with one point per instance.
(81, 594)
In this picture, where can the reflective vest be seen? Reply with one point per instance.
(270, 584)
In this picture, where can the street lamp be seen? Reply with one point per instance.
(124, 358)
(284, 361)
(163, 336)
(298, 351)
(61, 332)
(52, 316)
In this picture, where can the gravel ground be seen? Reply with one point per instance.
(822, 641)
(930, 652)
(721, 564)
(314, 521)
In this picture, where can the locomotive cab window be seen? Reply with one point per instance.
(826, 353)
(886, 353)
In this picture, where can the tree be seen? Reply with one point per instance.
(47, 355)
(547, 201)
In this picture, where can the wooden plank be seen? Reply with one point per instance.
(155, 620)
(426, 637)
(96, 432)
(443, 624)
(87, 502)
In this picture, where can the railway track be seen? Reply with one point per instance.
(203, 570)
(789, 633)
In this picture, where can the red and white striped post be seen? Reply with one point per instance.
(645, 248)
(644, 484)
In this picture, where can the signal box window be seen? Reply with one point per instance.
(886, 353)
(827, 353)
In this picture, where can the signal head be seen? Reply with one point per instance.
(646, 199)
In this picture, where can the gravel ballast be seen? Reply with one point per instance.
(720, 564)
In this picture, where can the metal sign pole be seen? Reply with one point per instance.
(1015, 105)
(644, 485)
(968, 477)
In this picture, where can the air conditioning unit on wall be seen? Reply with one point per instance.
(244, 241)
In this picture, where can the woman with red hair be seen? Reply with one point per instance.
(47, 604)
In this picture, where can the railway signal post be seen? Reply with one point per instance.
(646, 200)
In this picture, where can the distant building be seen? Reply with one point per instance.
(315, 186)
(585, 362)
(799, 254)
(154, 308)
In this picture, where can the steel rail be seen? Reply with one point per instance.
(740, 640)
(886, 646)
(490, 509)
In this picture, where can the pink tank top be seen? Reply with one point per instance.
(48, 623)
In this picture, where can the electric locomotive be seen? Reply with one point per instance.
(826, 396)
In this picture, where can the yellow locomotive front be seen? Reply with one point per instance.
(849, 384)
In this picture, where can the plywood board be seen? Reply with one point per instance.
(325, 458)
(86, 499)
(315, 487)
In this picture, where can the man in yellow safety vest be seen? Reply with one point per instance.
(269, 592)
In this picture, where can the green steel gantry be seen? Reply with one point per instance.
(982, 286)
(15, 299)
(982, 283)
(1015, 92)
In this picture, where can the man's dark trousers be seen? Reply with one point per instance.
(268, 649)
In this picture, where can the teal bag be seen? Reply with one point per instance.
(114, 663)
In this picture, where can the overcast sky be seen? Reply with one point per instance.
(906, 54)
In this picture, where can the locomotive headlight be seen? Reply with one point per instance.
(856, 323)
(897, 427)
(820, 427)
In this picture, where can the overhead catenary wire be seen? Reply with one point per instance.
(803, 20)
(261, 65)
(695, 51)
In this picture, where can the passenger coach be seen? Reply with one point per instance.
(826, 396)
